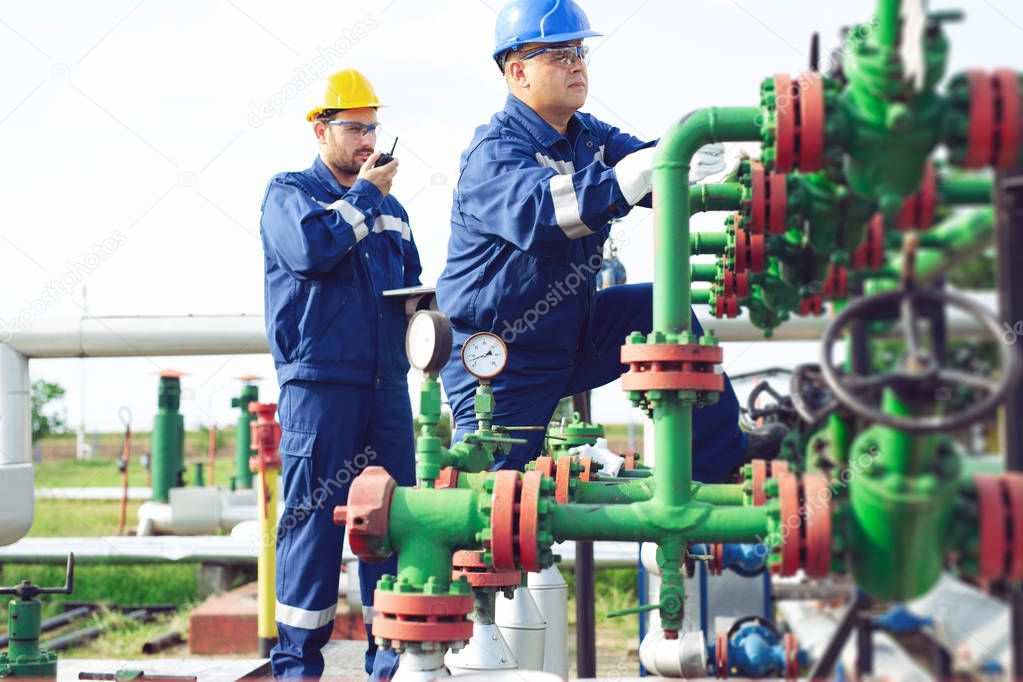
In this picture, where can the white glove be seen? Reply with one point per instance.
(710, 159)
(726, 169)
(635, 174)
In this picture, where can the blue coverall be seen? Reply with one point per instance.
(530, 216)
(338, 347)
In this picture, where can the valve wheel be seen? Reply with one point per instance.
(721, 656)
(927, 375)
(507, 485)
(791, 657)
(529, 521)
(817, 507)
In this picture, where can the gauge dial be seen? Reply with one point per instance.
(428, 341)
(484, 355)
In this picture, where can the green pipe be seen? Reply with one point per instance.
(704, 272)
(701, 296)
(724, 197)
(427, 526)
(672, 298)
(966, 189)
(708, 243)
(243, 436)
(889, 24)
(613, 492)
(958, 239)
(168, 440)
(651, 522)
(718, 493)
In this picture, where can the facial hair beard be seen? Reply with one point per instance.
(351, 164)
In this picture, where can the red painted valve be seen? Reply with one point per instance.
(805, 503)
(406, 617)
(368, 513)
(768, 200)
(265, 434)
(1000, 503)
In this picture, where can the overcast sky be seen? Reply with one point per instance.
(138, 137)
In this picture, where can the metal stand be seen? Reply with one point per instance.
(854, 618)
(585, 617)
(1009, 247)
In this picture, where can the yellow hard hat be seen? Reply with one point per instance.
(345, 89)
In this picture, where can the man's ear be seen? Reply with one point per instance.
(320, 130)
(517, 74)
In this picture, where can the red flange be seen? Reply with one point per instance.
(721, 656)
(1010, 135)
(791, 657)
(870, 254)
(562, 480)
(786, 101)
(778, 466)
(758, 196)
(991, 506)
(545, 465)
(529, 521)
(742, 285)
(791, 522)
(367, 514)
(588, 471)
(982, 120)
(671, 367)
(918, 209)
(469, 564)
(759, 477)
(717, 563)
(817, 508)
(836, 283)
(811, 124)
(408, 617)
(741, 246)
(448, 478)
(814, 305)
(502, 519)
(725, 306)
(757, 253)
(265, 435)
(630, 460)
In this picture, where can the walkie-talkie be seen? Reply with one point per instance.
(387, 158)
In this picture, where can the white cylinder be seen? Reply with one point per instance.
(16, 476)
(420, 666)
(550, 592)
(523, 627)
(682, 657)
(487, 650)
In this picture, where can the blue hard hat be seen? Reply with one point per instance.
(540, 21)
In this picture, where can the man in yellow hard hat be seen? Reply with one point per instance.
(334, 239)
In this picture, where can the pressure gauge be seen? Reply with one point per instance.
(484, 355)
(428, 341)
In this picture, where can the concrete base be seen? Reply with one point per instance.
(222, 670)
(226, 624)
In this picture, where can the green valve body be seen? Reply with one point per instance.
(24, 658)
(561, 438)
(243, 436)
(168, 464)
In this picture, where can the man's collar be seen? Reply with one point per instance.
(327, 178)
(544, 133)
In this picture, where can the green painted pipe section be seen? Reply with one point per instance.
(613, 491)
(958, 239)
(987, 464)
(168, 440)
(708, 243)
(426, 527)
(718, 493)
(243, 436)
(672, 298)
(965, 189)
(723, 197)
(704, 272)
(652, 522)
(889, 23)
(701, 296)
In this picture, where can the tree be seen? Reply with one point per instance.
(47, 422)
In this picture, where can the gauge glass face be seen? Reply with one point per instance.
(484, 355)
(421, 342)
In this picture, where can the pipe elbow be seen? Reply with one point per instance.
(682, 657)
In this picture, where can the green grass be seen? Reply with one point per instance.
(103, 472)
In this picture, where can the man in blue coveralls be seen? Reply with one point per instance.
(538, 188)
(334, 239)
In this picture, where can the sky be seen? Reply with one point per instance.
(138, 138)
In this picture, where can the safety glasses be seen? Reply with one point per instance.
(356, 128)
(562, 55)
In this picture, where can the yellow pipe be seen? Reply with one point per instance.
(266, 626)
